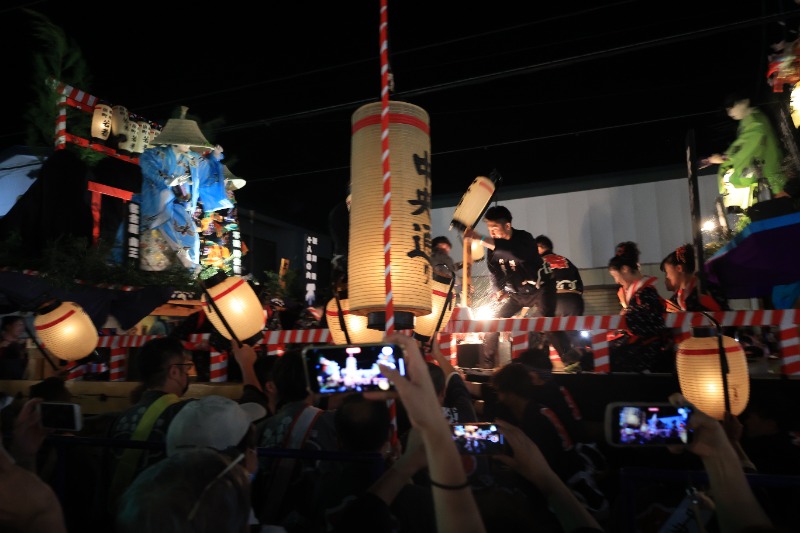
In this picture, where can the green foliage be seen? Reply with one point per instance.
(65, 261)
(58, 58)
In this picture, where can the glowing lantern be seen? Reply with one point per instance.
(101, 123)
(236, 311)
(703, 378)
(443, 301)
(65, 330)
(473, 204)
(410, 215)
(356, 325)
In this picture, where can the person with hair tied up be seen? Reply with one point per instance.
(646, 344)
(679, 268)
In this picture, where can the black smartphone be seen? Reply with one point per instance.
(351, 368)
(62, 416)
(640, 424)
(478, 438)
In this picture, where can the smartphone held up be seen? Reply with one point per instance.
(62, 416)
(636, 424)
(478, 438)
(351, 368)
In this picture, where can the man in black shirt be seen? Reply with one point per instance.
(518, 272)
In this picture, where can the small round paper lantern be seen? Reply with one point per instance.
(700, 373)
(442, 303)
(238, 304)
(409, 157)
(129, 139)
(66, 330)
(356, 325)
(477, 250)
(473, 204)
(143, 137)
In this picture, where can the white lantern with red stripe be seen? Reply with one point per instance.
(356, 325)
(237, 304)
(442, 303)
(65, 330)
(700, 373)
(473, 204)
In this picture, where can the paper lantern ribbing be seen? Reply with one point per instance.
(442, 303)
(409, 157)
(473, 204)
(356, 325)
(238, 304)
(700, 374)
(101, 123)
(66, 330)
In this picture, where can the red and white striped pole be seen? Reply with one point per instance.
(387, 190)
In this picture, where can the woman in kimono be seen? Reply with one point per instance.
(645, 345)
(679, 269)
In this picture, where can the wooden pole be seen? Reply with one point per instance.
(466, 269)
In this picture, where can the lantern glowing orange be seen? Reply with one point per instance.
(442, 302)
(700, 373)
(355, 325)
(236, 305)
(65, 330)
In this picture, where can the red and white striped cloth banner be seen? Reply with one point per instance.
(76, 373)
(519, 343)
(79, 98)
(218, 368)
(790, 349)
(118, 362)
(447, 346)
(600, 349)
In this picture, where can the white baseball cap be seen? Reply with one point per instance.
(212, 421)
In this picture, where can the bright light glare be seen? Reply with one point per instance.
(586, 334)
(485, 311)
(709, 226)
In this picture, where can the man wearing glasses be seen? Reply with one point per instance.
(164, 369)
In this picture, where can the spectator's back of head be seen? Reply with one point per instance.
(437, 376)
(289, 377)
(513, 378)
(544, 241)
(538, 360)
(197, 490)
(155, 356)
(362, 425)
(440, 240)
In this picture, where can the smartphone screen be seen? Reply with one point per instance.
(653, 424)
(478, 438)
(60, 415)
(351, 368)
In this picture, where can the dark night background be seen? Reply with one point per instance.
(541, 92)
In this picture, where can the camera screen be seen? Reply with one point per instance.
(639, 425)
(59, 416)
(336, 369)
(478, 439)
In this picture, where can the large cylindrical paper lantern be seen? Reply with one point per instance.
(238, 304)
(66, 330)
(143, 138)
(356, 325)
(473, 204)
(700, 373)
(442, 303)
(129, 139)
(119, 119)
(409, 159)
(101, 123)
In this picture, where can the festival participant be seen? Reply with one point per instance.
(679, 268)
(518, 274)
(174, 179)
(645, 345)
(756, 152)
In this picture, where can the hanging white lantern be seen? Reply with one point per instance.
(700, 373)
(129, 138)
(409, 157)
(238, 305)
(473, 204)
(356, 325)
(442, 303)
(101, 123)
(65, 330)
(142, 138)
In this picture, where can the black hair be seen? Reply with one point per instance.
(683, 255)
(628, 248)
(10, 319)
(498, 213)
(155, 357)
(361, 425)
(545, 241)
(440, 240)
(289, 377)
(734, 97)
(514, 378)
(437, 376)
(536, 359)
(51, 389)
(626, 254)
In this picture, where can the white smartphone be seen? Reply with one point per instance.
(62, 416)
